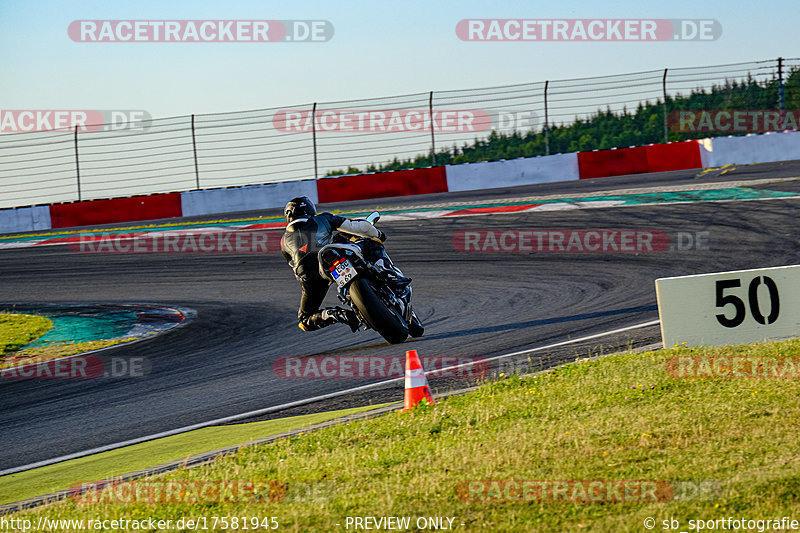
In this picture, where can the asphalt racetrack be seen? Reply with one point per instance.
(473, 304)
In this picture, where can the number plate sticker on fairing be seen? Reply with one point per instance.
(343, 273)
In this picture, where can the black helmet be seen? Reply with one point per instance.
(300, 207)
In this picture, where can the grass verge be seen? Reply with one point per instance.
(18, 330)
(623, 417)
(100, 466)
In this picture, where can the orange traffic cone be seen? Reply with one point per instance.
(416, 383)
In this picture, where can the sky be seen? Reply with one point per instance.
(378, 49)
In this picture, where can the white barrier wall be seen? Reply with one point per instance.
(523, 171)
(773, 146)
(251, 197)
(32, 218)
(715, 152)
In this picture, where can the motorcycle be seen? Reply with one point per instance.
(369, 283)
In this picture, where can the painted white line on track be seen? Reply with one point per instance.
(267, 410)
(549, 346)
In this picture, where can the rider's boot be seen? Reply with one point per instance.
(344, 316)
(394, 274)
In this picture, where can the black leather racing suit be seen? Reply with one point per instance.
(301, 241)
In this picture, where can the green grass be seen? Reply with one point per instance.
(18, 330)
(61, 476)
(622, 417)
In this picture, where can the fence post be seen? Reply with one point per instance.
(77, 164)
(314, 138)
(664, 89)
(781, 94)
(433, 137)
(546, 121)
(194, 148)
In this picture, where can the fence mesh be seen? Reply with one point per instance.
(368, 135)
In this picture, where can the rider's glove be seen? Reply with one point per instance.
(381, 236)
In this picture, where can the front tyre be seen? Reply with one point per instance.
(376, 313)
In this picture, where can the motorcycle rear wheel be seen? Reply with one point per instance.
(379, 317)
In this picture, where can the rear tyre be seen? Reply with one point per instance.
(376, 314)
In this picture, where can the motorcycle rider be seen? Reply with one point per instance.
(306, 233)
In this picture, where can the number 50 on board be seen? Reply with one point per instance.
(736, 307)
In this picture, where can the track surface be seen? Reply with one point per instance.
(473, 304)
